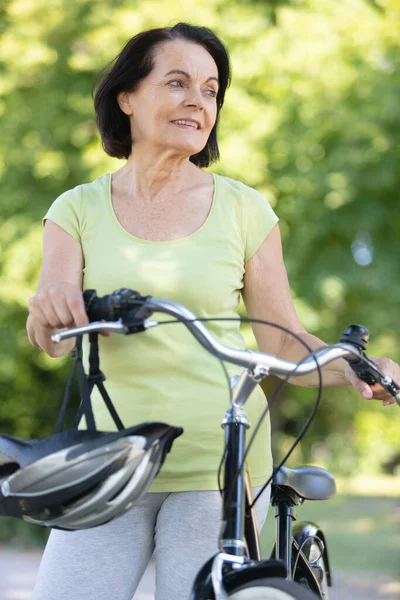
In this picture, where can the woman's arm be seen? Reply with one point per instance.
(58, 302)
(266, 294)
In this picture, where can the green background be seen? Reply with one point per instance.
(311, 120)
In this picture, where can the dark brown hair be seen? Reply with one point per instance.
(132, 65)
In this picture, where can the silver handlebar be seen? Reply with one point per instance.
(248, 359)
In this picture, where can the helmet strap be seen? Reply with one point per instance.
(97, 377)
(86, 384)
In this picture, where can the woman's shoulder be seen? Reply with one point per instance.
(72, 209)
(82, 197)
(239, 190)
(89, 189)
(257, 217)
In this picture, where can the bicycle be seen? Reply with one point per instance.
(299, 554)
(299, 565)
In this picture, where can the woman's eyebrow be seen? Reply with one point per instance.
(185, 74)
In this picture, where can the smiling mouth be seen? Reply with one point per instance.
(186, 124)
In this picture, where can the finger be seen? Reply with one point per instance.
(37, 313)
(76, 306)
(362, 388)
(57, 301)
(105, 333)
(45, 313)
(378, 391)
(63, 312)
(366, 392)
(387, 402)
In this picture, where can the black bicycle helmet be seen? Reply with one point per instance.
(79, 479)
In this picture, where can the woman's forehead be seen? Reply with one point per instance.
(186, 56)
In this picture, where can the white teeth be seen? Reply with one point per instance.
(190, 123)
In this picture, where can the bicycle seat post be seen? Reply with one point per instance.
(284, 516)
(284, 501)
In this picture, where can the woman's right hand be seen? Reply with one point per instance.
(58, 306)
(55, 307)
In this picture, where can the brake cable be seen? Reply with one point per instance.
(129, 298)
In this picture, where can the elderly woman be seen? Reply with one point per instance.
(166, 227)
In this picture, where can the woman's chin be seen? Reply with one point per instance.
(189, 150)
(187, 147)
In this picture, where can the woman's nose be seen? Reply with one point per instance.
(194, 98)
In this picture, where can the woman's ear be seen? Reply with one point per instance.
(123, 99)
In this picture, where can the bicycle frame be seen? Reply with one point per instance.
(239, 541)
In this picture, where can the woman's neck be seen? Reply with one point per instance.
(155, 176)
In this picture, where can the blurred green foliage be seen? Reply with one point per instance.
(311, 120)
(359, 532)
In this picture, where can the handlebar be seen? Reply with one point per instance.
(126, 311)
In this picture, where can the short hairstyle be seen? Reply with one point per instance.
(133, 64)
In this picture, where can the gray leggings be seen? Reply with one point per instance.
(107, 562)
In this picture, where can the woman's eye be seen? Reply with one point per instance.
(211, 93)
(175, 83)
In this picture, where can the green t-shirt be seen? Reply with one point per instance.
(164, 374)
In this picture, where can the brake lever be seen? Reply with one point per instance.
(98, 326)
(365, 368)
(367, 372)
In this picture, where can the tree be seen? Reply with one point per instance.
(311, 120)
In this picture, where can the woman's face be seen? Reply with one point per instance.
(182, 86)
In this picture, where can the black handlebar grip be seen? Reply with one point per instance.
(112, 306)
(98, 309)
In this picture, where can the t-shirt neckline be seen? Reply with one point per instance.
(165, 242)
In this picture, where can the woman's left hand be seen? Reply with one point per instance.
(376, 391)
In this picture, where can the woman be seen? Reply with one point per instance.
(165, 227)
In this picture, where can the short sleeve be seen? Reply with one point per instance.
(258, 218)
(66, 212)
